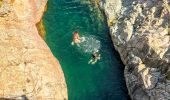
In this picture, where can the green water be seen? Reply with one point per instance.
(102, 81)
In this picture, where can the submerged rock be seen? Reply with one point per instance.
(28, 70)
(141, 35)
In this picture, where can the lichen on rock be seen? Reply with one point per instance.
(41, 29)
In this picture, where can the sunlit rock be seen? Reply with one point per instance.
(28, 70)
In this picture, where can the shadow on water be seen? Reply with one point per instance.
(102, 81)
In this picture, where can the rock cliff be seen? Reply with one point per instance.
(140, 30)
(28, 70)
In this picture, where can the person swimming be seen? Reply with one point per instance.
(95, 57)
(76, 38)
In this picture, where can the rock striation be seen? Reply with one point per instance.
(28, 70)
(140, 30)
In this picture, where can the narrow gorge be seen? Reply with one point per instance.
(101, 81)
(38, 60)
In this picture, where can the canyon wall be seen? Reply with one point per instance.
(28, 70)
(140, 30)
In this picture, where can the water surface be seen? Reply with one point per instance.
(102, 81)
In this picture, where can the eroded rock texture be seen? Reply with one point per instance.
(28, 70)
(140, 30)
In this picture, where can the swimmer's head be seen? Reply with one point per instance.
(75, 32)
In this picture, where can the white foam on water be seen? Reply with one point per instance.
(89, 43)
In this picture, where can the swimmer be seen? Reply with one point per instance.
(76, 38)
(95, 57)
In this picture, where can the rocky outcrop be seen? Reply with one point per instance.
(140, 30)
(28, 70)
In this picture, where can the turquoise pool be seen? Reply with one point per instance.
(101, 81)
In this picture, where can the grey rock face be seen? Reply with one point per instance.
(140, 31)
